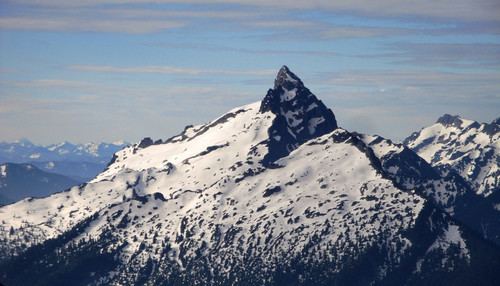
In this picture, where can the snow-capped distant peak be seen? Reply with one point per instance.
(23, 141)
(59, 146)
(470, 148)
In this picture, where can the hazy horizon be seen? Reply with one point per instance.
(119, 141)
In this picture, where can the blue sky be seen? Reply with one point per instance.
(105, 70)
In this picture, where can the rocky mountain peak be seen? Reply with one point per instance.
(450, 120)
(300, 115)
(287, 79)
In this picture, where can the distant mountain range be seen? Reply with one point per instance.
(36, 170)
(18, 181)
(270, 193)
(78, 161)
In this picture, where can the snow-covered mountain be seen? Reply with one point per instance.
(18, 181)
(470, 148)
(78, 161)
(271, 193)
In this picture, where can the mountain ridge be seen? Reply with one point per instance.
(207, 207)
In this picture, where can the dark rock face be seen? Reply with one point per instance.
(493, 127)
(450, 120)
(146, 142)
(300, 116)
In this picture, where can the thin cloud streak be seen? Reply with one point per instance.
(448, 54)
(169, 70)
(52, 83)
(479, 10)
(223, 49)
(115, 16)
(360, 78)
(393, 86)
(85, 25)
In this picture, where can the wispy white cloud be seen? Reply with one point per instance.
(479, 10)
(86, 25)
(277, 23)
(447, 54)
(259, 51)
(89, 110)
(142, 13)
(417, 86)
(131, 16)
(394, 103)
(392, 96)
(359, 32)
(51, 83)
(169, 70)
(363, 77)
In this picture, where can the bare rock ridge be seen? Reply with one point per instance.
(450, 120)
(300, 115)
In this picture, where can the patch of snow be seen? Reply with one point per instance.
(291, 118)
(288, 94)
(451, 237)
(92, 149)
(313, 122)
(497, 207)
(291, 79)
(50, 165)
(35, 156)
(3, 170)
(62, 151)
(311, 107)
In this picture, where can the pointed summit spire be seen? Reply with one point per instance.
(300, 116)
(286, 79)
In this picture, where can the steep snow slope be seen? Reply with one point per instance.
(269, 193)
(467, 147)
